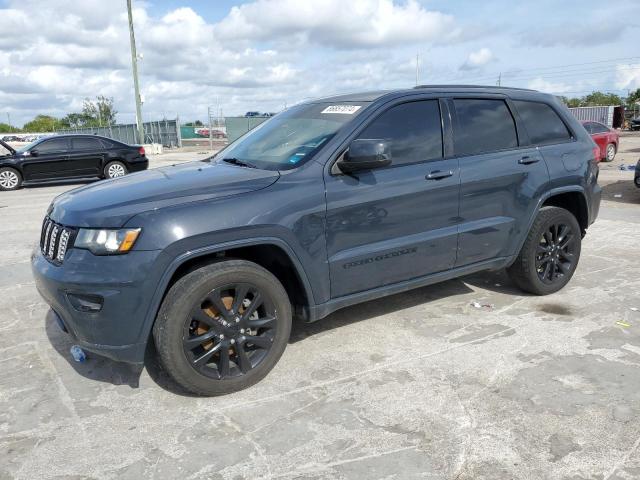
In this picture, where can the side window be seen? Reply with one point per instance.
(599, 128)
(483, 126)
(543, 124)
(413, 130)
(53, 145)
(86, 143)
(588, 126)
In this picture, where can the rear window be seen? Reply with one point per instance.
(599, 128)
(543, 124)
(83, 143)
(483, 126)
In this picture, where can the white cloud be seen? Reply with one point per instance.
(557, 88)
(628, 76)
(350, 24)
(478, 59)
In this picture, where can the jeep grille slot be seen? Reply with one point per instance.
(55, 239)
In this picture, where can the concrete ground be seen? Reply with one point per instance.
(418, 385)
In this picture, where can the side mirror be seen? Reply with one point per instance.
(365, 154)
(34, 152)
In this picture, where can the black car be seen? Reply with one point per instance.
(635, 123)
(636, 178)
(65, 157)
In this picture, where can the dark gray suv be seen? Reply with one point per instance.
(329, 203)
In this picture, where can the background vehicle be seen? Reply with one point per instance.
(635, 123)
(64, 157)
(606, 138)
(636, 178)
(327, 204)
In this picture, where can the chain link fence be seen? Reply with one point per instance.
(165, 132)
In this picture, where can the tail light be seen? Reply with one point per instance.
(595, 152)
(141, 151)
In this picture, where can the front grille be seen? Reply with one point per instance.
(55, 240)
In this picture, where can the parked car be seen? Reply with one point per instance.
(253, 114)
(606, 138)
(634, 123)
(636, 178)
(65, 157)
(330, 203)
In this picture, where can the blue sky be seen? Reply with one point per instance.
(264, 54)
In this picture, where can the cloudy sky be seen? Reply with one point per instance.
(264, 54)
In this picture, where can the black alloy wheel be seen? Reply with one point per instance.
(231, 331)
(555, 255)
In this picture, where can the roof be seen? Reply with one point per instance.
(376, 94)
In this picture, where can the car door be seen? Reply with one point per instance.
(500, 179)
(399, 222)
(86, 156)
(47, 160)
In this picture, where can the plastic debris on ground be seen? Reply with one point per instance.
(617, 195)
(623, 324)
(634, 309)
(487, 306)
(78, 354)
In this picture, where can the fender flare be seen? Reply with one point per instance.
(543, 198)
(168, 273)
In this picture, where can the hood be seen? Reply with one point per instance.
(111, 203)
(8, 147)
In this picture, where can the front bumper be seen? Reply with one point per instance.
(125, 283)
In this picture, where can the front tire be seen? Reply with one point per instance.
(115, 169)
(223, 327)
(10, 179)
(550, 253)
(610, 153)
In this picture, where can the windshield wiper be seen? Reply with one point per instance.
(240, 163)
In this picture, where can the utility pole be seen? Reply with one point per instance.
(134, 68)
(9, 119)
(210, 129)
(500, 79)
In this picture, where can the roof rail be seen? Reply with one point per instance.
(493, 87)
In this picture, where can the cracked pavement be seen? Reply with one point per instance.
(420, 385)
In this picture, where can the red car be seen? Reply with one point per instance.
(606, 138)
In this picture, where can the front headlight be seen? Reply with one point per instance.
(106, 242)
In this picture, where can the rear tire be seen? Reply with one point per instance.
(223, 327)
(10, 179)
(610, 153)
(550, 253)
(115, 169)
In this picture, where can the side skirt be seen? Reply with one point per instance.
(318, 312)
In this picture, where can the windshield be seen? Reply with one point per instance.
(292, 137)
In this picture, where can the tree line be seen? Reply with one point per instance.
(98, 113)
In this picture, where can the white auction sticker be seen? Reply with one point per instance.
(346, 109)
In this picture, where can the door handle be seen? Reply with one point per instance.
(527, 160)
(439, 175)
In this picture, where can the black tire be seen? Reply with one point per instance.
(115, 169)
(538, 254)
(10, 179)
(610, 152)
(179, 322)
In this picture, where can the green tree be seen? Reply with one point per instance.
(42, 123)
(601, 99)
(634, 97)
(6, 128)
(197, 123)
(98, 113)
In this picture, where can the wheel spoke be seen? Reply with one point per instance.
(243, 360)
(548, 238)
(240, 295)
(564, 267)
(261, 342)
(256, 301)
(216, 300)
(566, 241)
(202, 317)
(193, 342)
(223, 364)
(543, 249)
(567, 256)
(266, 322)
(202, 360)
(547, 270)
(562, 232)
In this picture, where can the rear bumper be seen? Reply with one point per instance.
(123, 283)
(594, 208)
(138, 165)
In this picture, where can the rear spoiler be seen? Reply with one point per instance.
(5, 145)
